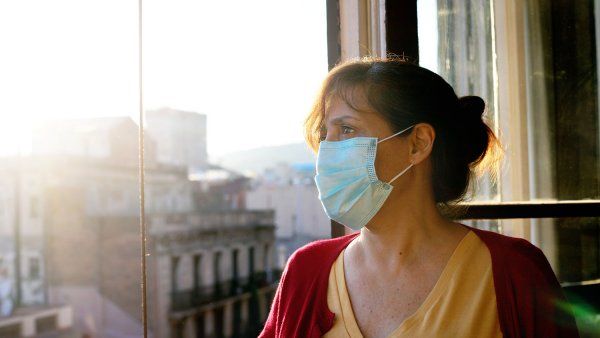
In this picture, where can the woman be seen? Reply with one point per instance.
(396, 146)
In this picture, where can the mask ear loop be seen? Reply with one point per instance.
(398, 133)
(400, 174)
(389, 137)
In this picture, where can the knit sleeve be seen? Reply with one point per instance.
(544, 309)
(299, 307)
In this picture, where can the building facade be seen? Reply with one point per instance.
(291, 192)
(211, 275)
(180, 137)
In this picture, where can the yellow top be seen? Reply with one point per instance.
(462, 303)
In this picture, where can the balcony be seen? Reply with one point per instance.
(187, 299)
(36, 321)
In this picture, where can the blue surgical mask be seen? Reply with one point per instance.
(348, 186)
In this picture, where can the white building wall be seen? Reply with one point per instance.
(95, 315)
(180, 137)
(31, 209)
(298, 210)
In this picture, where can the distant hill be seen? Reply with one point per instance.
(256, 160)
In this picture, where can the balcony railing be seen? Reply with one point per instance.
(211, 220)
(198, 296)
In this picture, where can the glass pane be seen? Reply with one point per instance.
(229, 185)
(461, 51)
(557, 157)
(561, 68)
(562, 98)
(69, 225)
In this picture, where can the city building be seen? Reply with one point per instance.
(69, 229)
(69, 225)
(79, 238)
(38, 321)
(211, 274)
(299, 216)
(112, 139)
(218, 188)
(21, 209)
(180, 137)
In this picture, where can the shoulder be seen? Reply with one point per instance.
(516, 253)
(307, 269)
(299, 303)
(530, 298)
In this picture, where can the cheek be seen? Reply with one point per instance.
(382, 164)
(388, 162)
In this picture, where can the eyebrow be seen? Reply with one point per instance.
(342, 118)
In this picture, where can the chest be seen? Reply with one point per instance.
(381, 304)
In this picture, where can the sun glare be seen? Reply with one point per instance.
(247, 70)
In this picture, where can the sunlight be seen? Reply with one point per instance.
(247, 70)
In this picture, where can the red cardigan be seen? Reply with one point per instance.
(528, 295)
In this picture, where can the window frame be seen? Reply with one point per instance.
(400, 32)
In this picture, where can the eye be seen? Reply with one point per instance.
(347, 130)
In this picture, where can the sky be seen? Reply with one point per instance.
(253, 67)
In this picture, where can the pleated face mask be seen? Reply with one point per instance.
(348, 186)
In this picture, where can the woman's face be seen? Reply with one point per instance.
(341, 122)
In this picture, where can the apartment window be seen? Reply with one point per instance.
(197, 271)
(251, 261)
(217, 268)
(34, 268)
(175, 273)
(267, 257)
(234, 263)
(33, 207)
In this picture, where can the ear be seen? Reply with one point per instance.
(421, 142)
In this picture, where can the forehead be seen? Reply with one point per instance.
(355, 106)
(336, 106)
(355, 110)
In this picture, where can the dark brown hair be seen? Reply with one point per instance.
(405, 94)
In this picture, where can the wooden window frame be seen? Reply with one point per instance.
(400, 34)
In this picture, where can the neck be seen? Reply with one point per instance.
(405, 230)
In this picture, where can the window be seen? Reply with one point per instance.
(175, 274)
(536, 68)
(33, 207)
(74, 100)
(217, 269)
(34, 268)
(223, 187)
(459, 47)
(251, 261)
(507, 52)
(68, 136)
(563, 123)
(234, 264)
(197, 271)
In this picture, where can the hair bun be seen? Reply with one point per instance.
(472, 106)
(473, 133)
